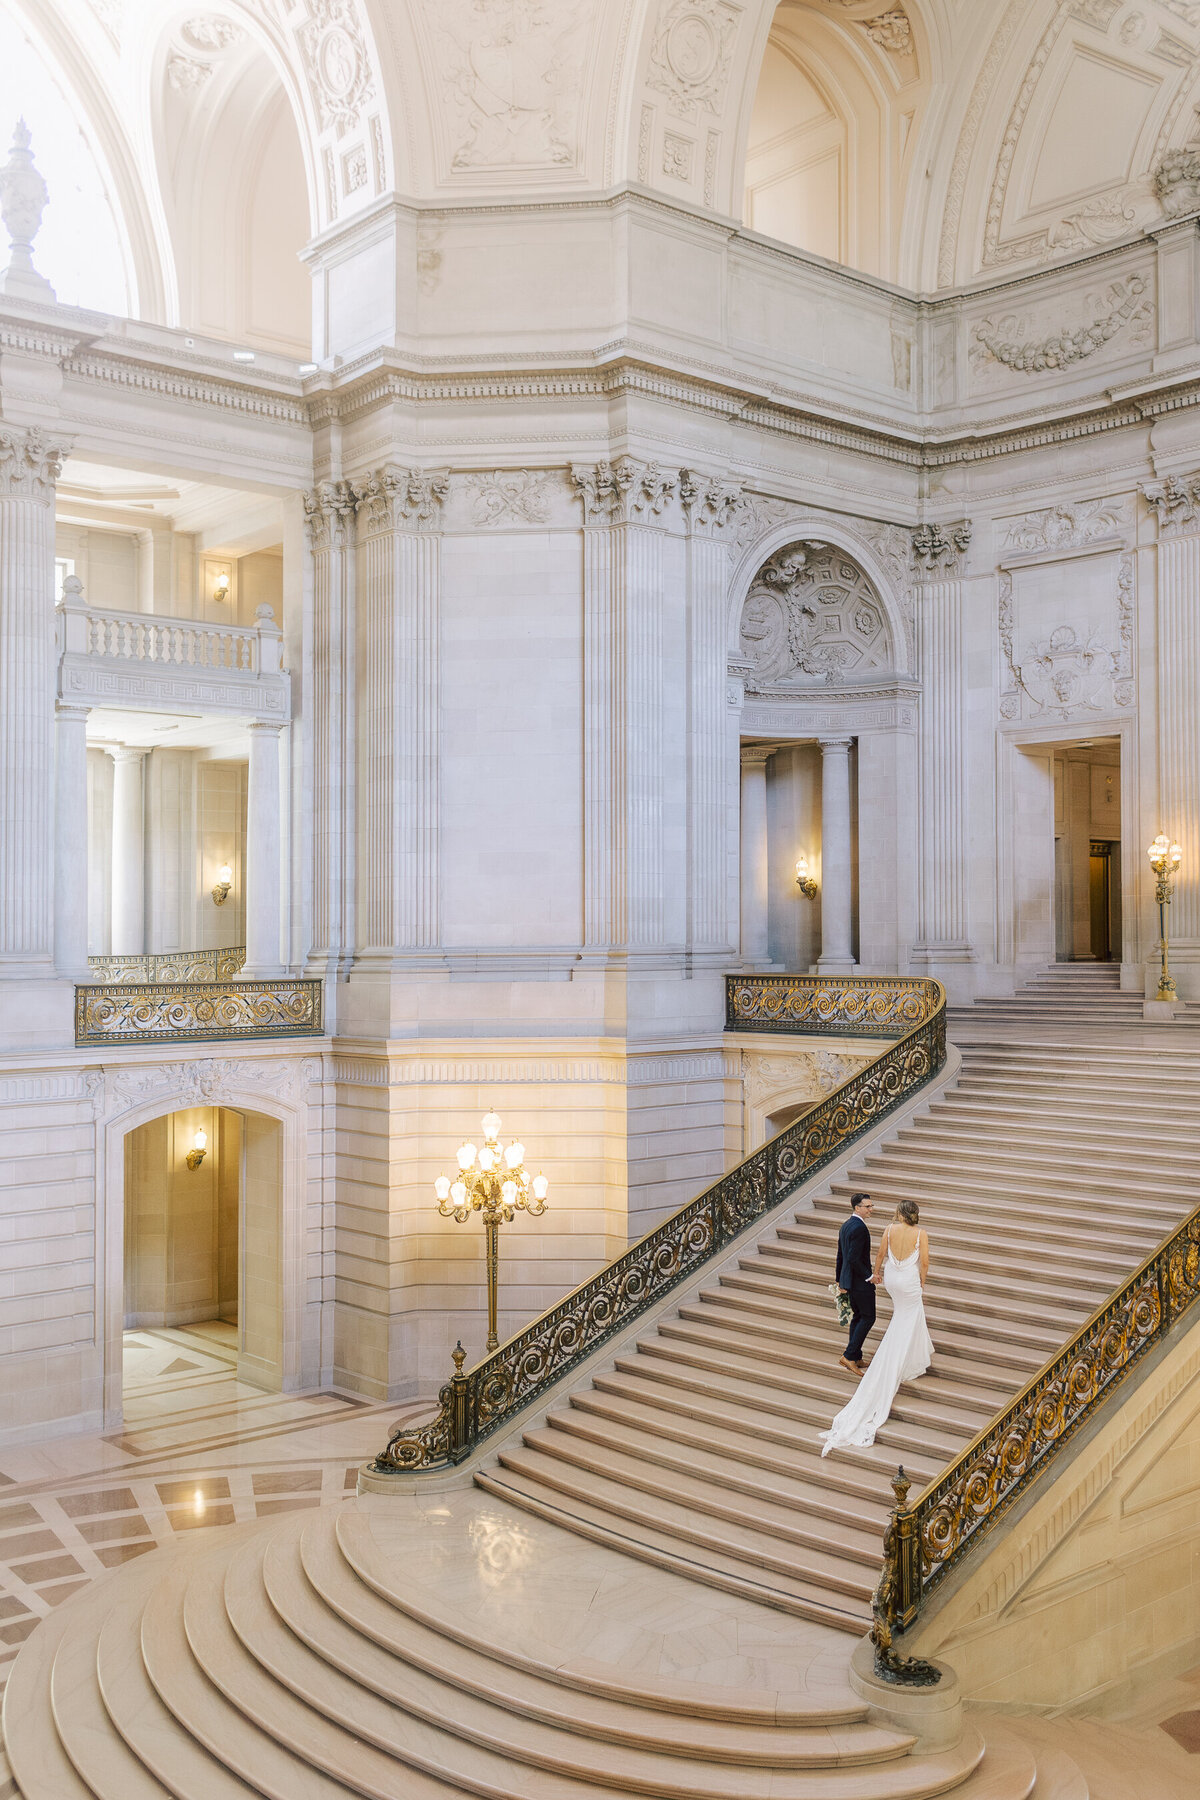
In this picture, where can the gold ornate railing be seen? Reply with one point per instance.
(963, 1503)
(194, 1011)
(871, 1007)
(171, 965)
(475, 1403)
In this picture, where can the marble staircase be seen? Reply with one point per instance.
(1075, 994)
(699, 1449)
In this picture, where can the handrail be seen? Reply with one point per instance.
(195, 1011)
(964, 1502)
(171, 965)
(800, 1002)
(476, 1403)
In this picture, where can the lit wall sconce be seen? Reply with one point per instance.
(804, 881)
(220, 893)
(195, 1155)
(221, 587)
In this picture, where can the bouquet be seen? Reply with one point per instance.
(841, 1300)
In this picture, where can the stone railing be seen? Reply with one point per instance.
(476, 1402)
(962, 1504)
(173, 965)
(195, 1011)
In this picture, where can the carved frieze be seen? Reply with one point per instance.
(623, 491)
(812, 616)
(396, 499)
(1068, 672)
(807, 1075)
(1010, 340)
(1066, 526)
(519, 496)
(691, 54)
(1176, 500)
(513, 78)
(205, 1081)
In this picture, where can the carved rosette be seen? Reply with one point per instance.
(624, 492)
(29, 466)
(397, 499)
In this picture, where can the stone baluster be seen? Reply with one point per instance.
(128, 853)
(399, 577)
(837, 859)
(755, 853)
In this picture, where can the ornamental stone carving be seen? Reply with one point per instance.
(1067, 673)
(519, 495)
(622, 492)
(28, 465)
(205, 1081)
(207, 32)
(328, 514)
(513, 76)
(397, 499)
(710, 504)
(1065, 527)
(691, 53)
(891, 30)
(1176, 181)
(336, 63)
(808, 1075)
(812, 617)
(23, 197)
(1007, 340)
(1176, 500)
(940, 549)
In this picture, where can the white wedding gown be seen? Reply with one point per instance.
(905, 1352)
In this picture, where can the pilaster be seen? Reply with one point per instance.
(330, 668)
(709, 506)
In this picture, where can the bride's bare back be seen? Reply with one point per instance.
(903, 1239)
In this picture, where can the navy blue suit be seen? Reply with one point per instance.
(854, 1275)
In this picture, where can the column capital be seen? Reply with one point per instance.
(266, 727)
(940, 550)
(754, 754)
(1175, 501)
(710, 503)
(623, 492)
(71, 711)
(393, 498)
(29, 465)
(328, 514)
(835, 744)
(126, 753)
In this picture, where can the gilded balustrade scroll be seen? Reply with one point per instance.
(193, 1011)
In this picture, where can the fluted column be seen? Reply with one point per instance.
(399, 607)
(837, 859)
(624, 870)
(264, 849)
(1179, 743)
(71, 842)
(128, 853)
(330, 671)
(709, 505)
(755, 858)
(943, 930)
(28, 471)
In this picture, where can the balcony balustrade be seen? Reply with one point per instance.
(182, 1012)
(174, 965)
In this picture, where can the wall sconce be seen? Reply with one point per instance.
(195, 1155)
(221, 587)
(220, 893)
(804, 881)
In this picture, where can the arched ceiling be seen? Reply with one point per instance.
(927, 141)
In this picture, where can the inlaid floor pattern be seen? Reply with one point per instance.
(699, 1448)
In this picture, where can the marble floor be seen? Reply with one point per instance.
(199, 1450)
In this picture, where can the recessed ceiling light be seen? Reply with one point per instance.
(243, 356)
(308, 368)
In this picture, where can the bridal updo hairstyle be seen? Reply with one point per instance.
(909, 1211)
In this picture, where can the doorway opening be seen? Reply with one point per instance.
(1087, 851)
(203, 1295)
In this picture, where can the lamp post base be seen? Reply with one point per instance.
(1161, 1012)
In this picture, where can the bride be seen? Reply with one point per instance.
(906, 1349)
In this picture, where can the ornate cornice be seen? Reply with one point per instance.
(29, 466)
(393, 498)
(622, 492)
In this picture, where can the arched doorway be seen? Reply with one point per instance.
(203, 1280)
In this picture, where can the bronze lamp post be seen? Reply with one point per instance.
(494, 1183)
(1165, 858)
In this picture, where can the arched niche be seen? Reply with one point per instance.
(236, 187)
(813, 618)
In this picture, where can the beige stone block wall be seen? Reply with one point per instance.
(1100, 1577)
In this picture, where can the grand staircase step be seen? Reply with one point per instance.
(1051, 1204)
(964, 1248)
(965, 1273)
(1027, 1225)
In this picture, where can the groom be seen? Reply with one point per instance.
(853, 1276)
